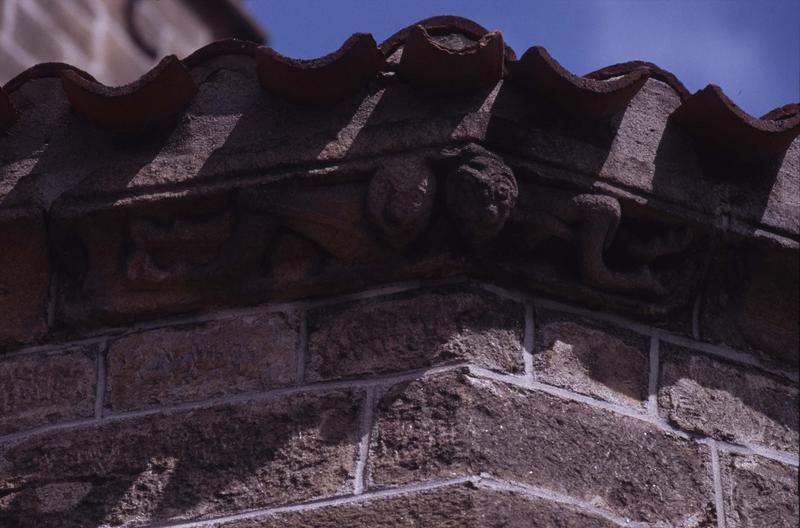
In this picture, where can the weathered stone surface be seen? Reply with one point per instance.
(462, 506)
(454, 424)
(171, 365)
(24, 276)
(752, 302)
(727, 402)
(182, 465)
(415, 331)
(598, 361)
(44, 388)
(758, 492)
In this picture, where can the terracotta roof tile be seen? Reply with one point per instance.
(8, 115)
(580, 95)
(435, 66)
(719, 124)
(218, 49)
(43, 71)
(653, 71)
(326, 79)
(445, 54)
(132, 108)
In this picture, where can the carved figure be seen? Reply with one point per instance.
(400, 199)
(482, 195)
(184, 250)
(590, 221)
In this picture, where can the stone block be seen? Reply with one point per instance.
(183, 465)
(462, 506)
(24, 276)
(590, 358)
(454, 424)
(758, 492)
(44, 388)
(413, 331)
(725, 401)
(195, 362)
(752, 302)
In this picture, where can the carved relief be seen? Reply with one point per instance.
(590, 223)
(400, 200)
(183, 250)
(481, 193)
(483, 196)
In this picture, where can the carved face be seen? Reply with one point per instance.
(481, 193)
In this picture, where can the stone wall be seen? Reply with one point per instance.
(94, 35)
(449, 403)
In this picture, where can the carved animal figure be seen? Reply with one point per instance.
(482, 195)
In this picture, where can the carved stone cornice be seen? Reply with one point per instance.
(245, 197)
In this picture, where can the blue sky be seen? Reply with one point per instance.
(749, 47)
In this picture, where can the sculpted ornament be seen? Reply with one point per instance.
(183, 250)
(483, 196)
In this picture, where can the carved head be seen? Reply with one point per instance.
(481, 193)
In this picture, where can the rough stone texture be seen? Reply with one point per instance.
(44, 388)
(182, 465)
(415, 331)
(759, 492)
(727, 402)
(457, 425)
(752, 301)
(171, 365)
(24, 276)
(598, 361)
(458, 506)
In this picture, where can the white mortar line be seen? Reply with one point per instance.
(597, 315)
(528, 342)
(652, 381)
(53, 347)
(783, 457)
(504, 292)
(301, 349)
(719, 505)
(565, 394)
(321, 387)
(365, 431)
(100, 385)
(726, 353)
(716, 480)
(104, 333)
(647, 330)
(657, 421)
(320, 503)
(492, 483)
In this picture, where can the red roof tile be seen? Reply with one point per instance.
(430, 59)
(323, 80)
(164, 90)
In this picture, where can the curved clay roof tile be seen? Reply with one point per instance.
(435, 66)
(7, 113)
(654, 71)
(231, 46)
(719, 124)
(326, 79)
(164, 90)
(438, 25)
(579, 95)
(44, 70)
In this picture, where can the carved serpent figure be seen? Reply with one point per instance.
(483, 195)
